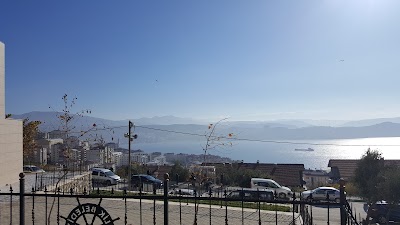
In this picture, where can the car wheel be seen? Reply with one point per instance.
(337, 200)
(282, 195)
(108, 183)
(382, 220)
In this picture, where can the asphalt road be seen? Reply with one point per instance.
(320, 214)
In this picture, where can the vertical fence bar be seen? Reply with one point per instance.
(293, 206)
(36, 180)
(180, 206)
(166, 179)
(11, 191)
(187, 200)
(342, 202)
(242, 200)
(259, 207)
(33, 207)
(21, 199)
(210, 194)
(126, 208)
(276, 207)
(58, 206)
(41, 182)
(195, 207)
(327, 199)
(154, 204)
(226, 208)
(140, 204)
(311, 199)
(45, 192)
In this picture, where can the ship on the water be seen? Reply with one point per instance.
(304, 149)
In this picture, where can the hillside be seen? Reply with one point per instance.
(150, 132)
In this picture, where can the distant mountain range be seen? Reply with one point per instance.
(171, 128)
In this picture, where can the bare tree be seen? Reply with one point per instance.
(215, 140)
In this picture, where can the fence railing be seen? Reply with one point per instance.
(98, 205)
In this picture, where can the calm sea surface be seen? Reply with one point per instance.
(285, 152)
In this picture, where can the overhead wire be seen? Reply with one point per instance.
(247, 139)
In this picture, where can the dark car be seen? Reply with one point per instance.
(139, 179)
(384, 213)
(250, 194)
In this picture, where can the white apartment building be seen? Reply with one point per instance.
(140, 157)
(56, 153)
(118, 159)
(53, 147)
(136, 157)
(11, 160)
(100, 155)
(94, 155)
(315, 178)
(124, 159)
(159, 161)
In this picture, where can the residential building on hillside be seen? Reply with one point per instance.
(285, 174)
(118, 159)
(55, 153)
(112, 145)
(40, 156)
(94, 155)
(140, 157)
(72, 142)
(11, 160)
(159, 160)
(315, 178)
(154, 155)
(57, 134)
(345, 168)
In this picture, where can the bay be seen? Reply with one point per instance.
(284, 151)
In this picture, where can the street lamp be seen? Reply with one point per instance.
(130, 138)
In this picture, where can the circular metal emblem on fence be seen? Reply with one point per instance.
(87, 214)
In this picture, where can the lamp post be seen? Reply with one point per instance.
(130, 138)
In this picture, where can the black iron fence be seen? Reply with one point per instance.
(114, 205)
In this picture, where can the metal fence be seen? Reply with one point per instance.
(160, 206)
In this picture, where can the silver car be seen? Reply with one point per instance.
(320, 194)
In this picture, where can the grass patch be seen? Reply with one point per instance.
(238, 204)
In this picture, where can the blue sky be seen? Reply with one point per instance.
(247, 60)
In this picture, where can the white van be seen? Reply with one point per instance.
(281, 191)
(104, 176)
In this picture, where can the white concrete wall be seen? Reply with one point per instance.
(10, 136)
(10, 151)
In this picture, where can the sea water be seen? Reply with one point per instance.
(284, 151)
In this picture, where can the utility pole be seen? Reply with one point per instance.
(130, 138)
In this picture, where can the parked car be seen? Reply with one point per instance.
(281, 191)
(104, 176)
(319, 194)
(384, 213)
(32, 169)
(251, 194)
(145, 179)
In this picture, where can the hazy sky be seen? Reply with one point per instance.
(250, 60)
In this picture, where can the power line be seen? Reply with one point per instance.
(269, 141)
(246, 139)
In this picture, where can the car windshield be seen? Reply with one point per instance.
(150, 178)
(275, 184)
(109, 173)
